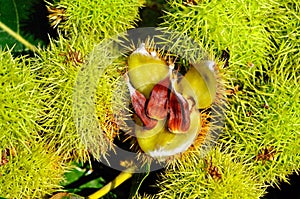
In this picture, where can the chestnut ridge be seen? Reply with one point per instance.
(166, 102)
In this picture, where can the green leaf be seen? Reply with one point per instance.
(18, 16)
(76, 175)
(96, 183)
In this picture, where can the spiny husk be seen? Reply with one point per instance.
(156, 142)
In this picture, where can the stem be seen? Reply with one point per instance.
(18, 37)
(122, 177)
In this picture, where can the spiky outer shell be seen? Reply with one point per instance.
(200, 82)
(195, 90)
